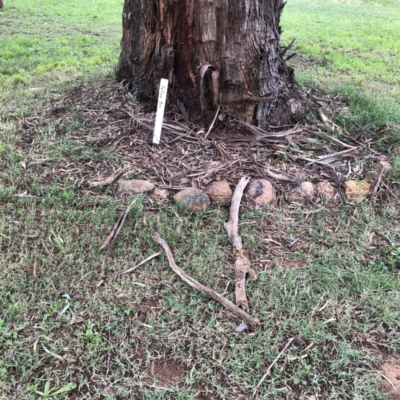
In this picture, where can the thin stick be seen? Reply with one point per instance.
(212, 124)
(110, 179)
(290, 341)
(254, 322)
(143, 262)
(113, 236)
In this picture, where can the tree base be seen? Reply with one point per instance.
(214, 55)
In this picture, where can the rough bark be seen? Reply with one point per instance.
(215, 53)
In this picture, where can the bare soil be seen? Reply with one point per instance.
(167, 372)
(391, 382)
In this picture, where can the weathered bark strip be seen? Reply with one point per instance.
(215, 53)
(254, 322)
(242, 265)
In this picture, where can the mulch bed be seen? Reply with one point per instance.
(110, 121)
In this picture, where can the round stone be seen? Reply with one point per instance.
(261, 191)
(192, 199)
(219, 192)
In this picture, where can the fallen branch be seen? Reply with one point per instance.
(254, 322)
(109, 180)
(290, 341)
(112, 237)
(143, 262)
(242, 264)
(232, 226)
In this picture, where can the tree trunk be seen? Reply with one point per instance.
(215, 53)
(1, 4)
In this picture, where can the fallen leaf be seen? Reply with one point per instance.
(386, 165)
(242, 327)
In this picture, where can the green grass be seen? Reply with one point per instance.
(47, 44)
(66, 38)
(62, 328)
(349, 48)
(106, 332)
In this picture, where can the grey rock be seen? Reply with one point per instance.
(192, 199)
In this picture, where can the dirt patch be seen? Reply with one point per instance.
(392, 374)
(148, 307)
(167, 372)
(149, 303)
(202, 397)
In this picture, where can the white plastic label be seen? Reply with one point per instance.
(162, 98)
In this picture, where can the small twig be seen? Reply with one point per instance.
(287, 48)
(290, 341)
(109, 180)
(143, 262)
(328, 138)
(339, 153)
(308, 212)
(212, 124)
(34, 269)
(109, 243)
(254, 322)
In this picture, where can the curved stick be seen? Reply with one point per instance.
(254, 322)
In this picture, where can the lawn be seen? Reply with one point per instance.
(328, 277)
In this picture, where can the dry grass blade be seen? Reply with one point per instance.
(290, 341)
(212, 124)
(254, 322)
(141, 263)
(45, 247)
